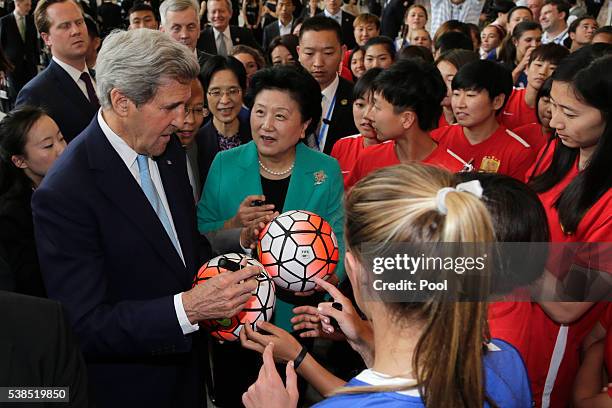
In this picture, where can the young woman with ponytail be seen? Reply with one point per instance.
(435, 353)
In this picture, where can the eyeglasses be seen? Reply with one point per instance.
(218, 92)
(196, 110)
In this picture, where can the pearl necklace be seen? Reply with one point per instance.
(276, 173)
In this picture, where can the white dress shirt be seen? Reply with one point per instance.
(75, 74)
(328, 96)
(558, 39)
(227, 37)
(284, 29)
(444, 10)
(337, 16)
(129, 156)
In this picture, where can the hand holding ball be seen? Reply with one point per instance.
(296, 247)
(259, 307)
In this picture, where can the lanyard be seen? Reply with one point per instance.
(325, 124)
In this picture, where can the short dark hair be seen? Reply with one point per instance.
(218, 63)
(500, 6)
(603, 30)
(413, 84)
(289, 41)
(485, 75)
(453, 40)
(381, 40)
(458, 58)
(321, 23)
(451, 25)
(572, 28)
(550, 52)
(139, 6)
(517, 8)
(518, 216)
(561, 5)
(365, 84)
(416, 51)
(296, 81)
(92, 28)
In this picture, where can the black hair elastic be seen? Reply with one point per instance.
(300, 357)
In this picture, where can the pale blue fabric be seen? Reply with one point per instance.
(149, 189)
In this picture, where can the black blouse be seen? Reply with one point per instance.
(275, 191)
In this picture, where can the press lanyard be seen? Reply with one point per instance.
(325, 123)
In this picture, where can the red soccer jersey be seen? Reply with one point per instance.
(383, 155)
(346, 151)
(551, 351)
(596, 224)
(503, 152)
(516, 112)
(534, 135)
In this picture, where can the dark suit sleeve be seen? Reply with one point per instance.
(27, 97)
(68, 363)
(71, 254)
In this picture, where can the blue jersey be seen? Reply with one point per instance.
(505, 376)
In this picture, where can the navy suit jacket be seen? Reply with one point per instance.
(239, 35)
(60, 96)
(24, 56)
(106, 256)
(348, 35)
(271, 31)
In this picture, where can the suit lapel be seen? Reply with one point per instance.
(301, 185)
(171, 175)
(117, 183)
(68, 87)
(235, 36)
(15, 28)
(249, 169)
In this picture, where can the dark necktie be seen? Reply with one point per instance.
(91, 93)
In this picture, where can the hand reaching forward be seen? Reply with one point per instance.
(286, 347)
(269, 391)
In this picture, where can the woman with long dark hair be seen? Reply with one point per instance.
(572, 177)
(515, 50)
(30, 142)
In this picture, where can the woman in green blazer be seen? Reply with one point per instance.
(278, 166)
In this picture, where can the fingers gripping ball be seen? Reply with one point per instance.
(296, 247)
(259, 307)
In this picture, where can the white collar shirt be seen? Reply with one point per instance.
(337, 16)
(227, 37)
(558, 39)
(75, 74)
(327, 110)
(285, 29)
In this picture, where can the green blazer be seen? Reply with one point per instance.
(316, 185)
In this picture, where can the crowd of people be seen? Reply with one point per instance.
(139, 140)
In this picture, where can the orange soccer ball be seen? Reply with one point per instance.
(296, 247)
(259, 307)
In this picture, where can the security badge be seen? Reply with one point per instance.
(489, 164)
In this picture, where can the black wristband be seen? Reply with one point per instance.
(300, 357)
